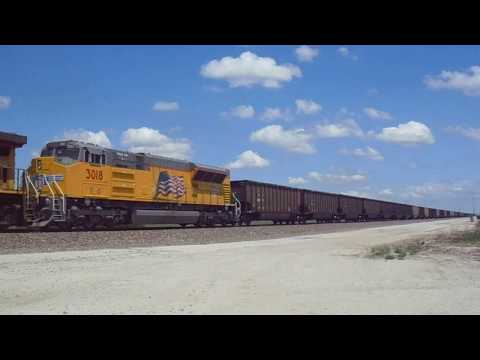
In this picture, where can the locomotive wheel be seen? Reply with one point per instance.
(109, 223)
(88, 225)
(9, 219)
(91, 222)
(65, 226)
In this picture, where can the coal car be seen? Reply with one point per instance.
(264, 201)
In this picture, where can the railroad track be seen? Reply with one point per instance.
(25, 229)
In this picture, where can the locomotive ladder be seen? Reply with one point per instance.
(58, 201)
(30, 198)
(238, 207)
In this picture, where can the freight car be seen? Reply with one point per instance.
(74, 183)
(418, 212)
(389, 210)
(320, 206)
(422, 212)
(351, 208)
(404, 212)
(263, 201)
(415, 212)
(10, 180)
(373, 209)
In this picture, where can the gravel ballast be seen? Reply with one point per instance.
(18, 242)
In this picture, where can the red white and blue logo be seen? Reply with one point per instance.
(168, 184)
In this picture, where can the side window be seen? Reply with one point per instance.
(96, 159)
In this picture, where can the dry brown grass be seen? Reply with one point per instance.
(462, 243)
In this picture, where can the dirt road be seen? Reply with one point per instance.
(312, 274)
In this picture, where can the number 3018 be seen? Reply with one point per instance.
(93, 174)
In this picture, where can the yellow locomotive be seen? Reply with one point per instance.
(74, 183)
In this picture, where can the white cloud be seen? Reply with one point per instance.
(306, 53)
(295, 140)
(434, 189)
(151, 141)
(243, 111)
(5, 102)
(165, 106)
(271, 114)
(410, 133)
(470, 133)
(307, 106)
(467, 82)
(377, 114)
(214, 89)
(386, 192)
(336, 178)
(345, 52)
(362, 194)
(175, 129)
(98, 138)
(344, 113)
(344, 128)
(296, 180)
(368, 152)
(249, 69)
(248, 159)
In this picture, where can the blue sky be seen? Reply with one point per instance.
(391, 122)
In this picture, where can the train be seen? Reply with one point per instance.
(287, 205)
(75, 184)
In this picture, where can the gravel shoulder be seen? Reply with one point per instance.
(15, 243)
(309, 274)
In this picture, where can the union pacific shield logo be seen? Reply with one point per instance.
(168, 184)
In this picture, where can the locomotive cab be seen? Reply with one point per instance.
(69, 152)
(8, 173)
(10, 179)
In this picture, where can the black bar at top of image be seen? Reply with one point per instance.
(308, 26)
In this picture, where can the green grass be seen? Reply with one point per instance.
(463, 238)
(468, 237)
(396, 251)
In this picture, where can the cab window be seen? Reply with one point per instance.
(94, 158)
(63, 152)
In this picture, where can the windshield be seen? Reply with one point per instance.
(62, 154)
